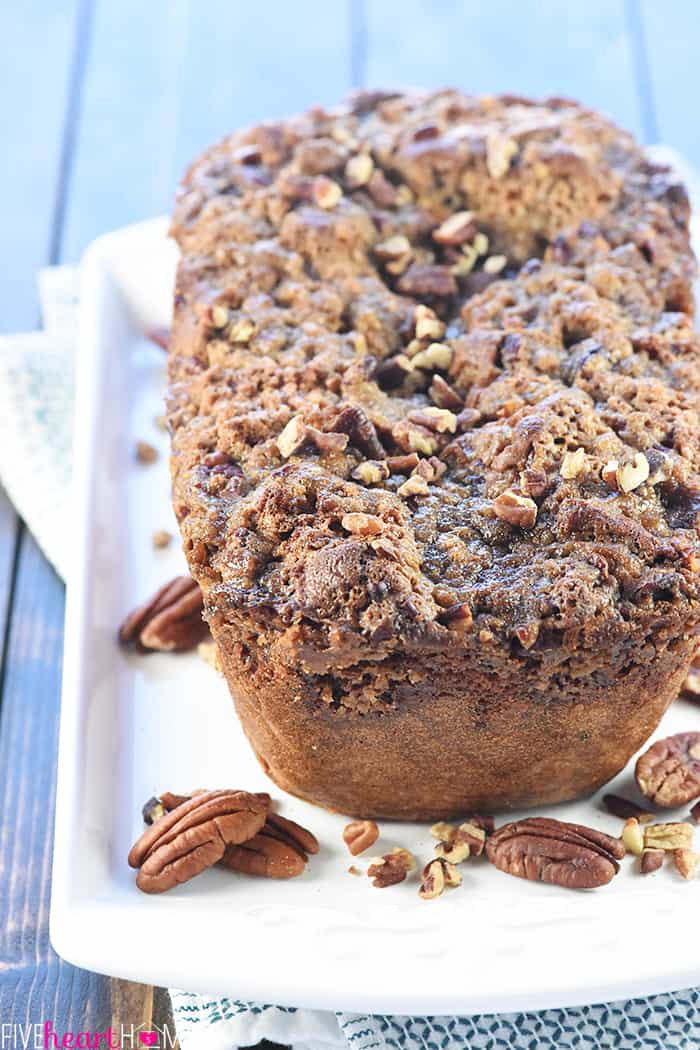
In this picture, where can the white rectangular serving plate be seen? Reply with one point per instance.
(133, 726)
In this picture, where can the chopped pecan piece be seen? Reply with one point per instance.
(414, 438)
(670, 836)
(572, 464)
(633, 474)
(436, 876)
(458, 843)
(361, 431)
(487, 824)
(443, 394)
(292, 437)
(668, 773)
(424, 280)
(382, 192)
(193, 837)
(441, 420)
(517, 510)
(295, 187)
(430, 469)
(622, 807)
(327, 440)
(432, 880)
(153, 810)
(414, 486)
(533, 482)
(358, 170)
(457, 617)
(437, 355)
(556, 852)
(495, 263)
(428, 324)
(326, 192)
(371, 472)
(457, 229)
(633, 837)
(474, 836)
(170, 621)
(391, 868)
(651, 860)
(686, 862)
(393, 248)
(360, 524)
(500, 150)
(402, 464)
(359, 835)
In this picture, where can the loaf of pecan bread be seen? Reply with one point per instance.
(435, 446)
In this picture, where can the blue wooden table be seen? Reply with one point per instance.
(102, 103)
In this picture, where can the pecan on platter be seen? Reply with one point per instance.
(556, 852)
(194, 836)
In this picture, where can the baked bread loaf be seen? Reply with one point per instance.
(435, 446)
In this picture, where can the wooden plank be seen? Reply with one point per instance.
(542, 48)
(35, 984)
(38, 40)
(167, 78)
(670, 42)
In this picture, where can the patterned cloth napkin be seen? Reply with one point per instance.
(36, 403)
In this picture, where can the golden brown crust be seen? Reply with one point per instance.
(434, 396)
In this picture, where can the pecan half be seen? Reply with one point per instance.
(556, 852)
(170, 621)
(359, 835)
(194, 836)
(668, 773)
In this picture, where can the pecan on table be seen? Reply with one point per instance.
(170, 621)
(278, 851)
(193, 837)
(557, 852)
(668, 773)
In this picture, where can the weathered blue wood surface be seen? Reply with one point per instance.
(102, 104)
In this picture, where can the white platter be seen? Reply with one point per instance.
(133, 726)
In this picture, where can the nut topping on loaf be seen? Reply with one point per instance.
(494, 295)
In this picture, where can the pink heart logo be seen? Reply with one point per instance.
(148, 1038)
